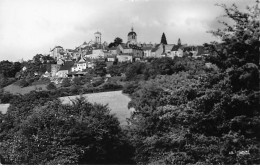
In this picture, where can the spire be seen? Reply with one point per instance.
(132, 29)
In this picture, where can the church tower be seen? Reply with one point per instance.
(97, 37)
(132, 37)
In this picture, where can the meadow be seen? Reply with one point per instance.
(3, 108)
(116, 100)
(15, 89)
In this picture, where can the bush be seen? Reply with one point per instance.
(77, 81)
(75, 89)
(23, 83)
(97, 82)
(130, 87)
(51, 86)
(65, 82)
(111, 86)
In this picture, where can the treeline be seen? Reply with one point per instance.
(152, 67)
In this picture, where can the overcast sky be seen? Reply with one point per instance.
(28, 27)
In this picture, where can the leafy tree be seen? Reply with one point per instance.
(100, 68)
(163, 39)
(23, 83)
(9, 69)
(135, 71)
(116, 42)
(51, 86)
(65, 82)
(76, 81)
(114, 70)
(179, 42)
(130, 87)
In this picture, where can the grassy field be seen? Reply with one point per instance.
(15, 89)
(116, 101)
(3, 108)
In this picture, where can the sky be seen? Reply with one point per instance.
(30, 27)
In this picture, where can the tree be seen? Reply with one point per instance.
(65, 82)
(114, 70)
(54, 133)
(179, 42)
(9, 69)
(163, 39)
(77, 81)
(100, 68)
(116, 42)
(23, 83)
(51, 86)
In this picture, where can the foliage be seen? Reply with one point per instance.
(77, 81)
(116, 42)
(97, 81)
(130, 87)
(203, 116)
(163, 39)
(114, 70)
(53, 133)
(65, 82)
(111, 86)
(23, 83)
(9, 69)
(4, 81)
(100, 68)
(51, 86)
(179, 42)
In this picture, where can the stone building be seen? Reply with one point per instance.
(132, 37)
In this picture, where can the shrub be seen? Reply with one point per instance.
(51, 86)
(23, 83)
(65, 82)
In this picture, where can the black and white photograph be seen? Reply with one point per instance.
(129, 82)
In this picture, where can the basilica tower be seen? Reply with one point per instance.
(132, 37)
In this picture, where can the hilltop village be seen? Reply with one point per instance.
(78, 61)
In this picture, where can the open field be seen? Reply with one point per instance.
(116, 101)
(3, 108)
(15, 89)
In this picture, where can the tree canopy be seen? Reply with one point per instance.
(206, 117)
(163, 39)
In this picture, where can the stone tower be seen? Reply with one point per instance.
(97, 37)
(132, 37)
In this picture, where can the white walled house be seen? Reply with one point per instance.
(157, 51)
(125, 58)
(65, 69)
(62, 73)
(79, 66)
(177, 51)
(147, 51)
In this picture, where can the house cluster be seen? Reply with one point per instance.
(76, 62)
